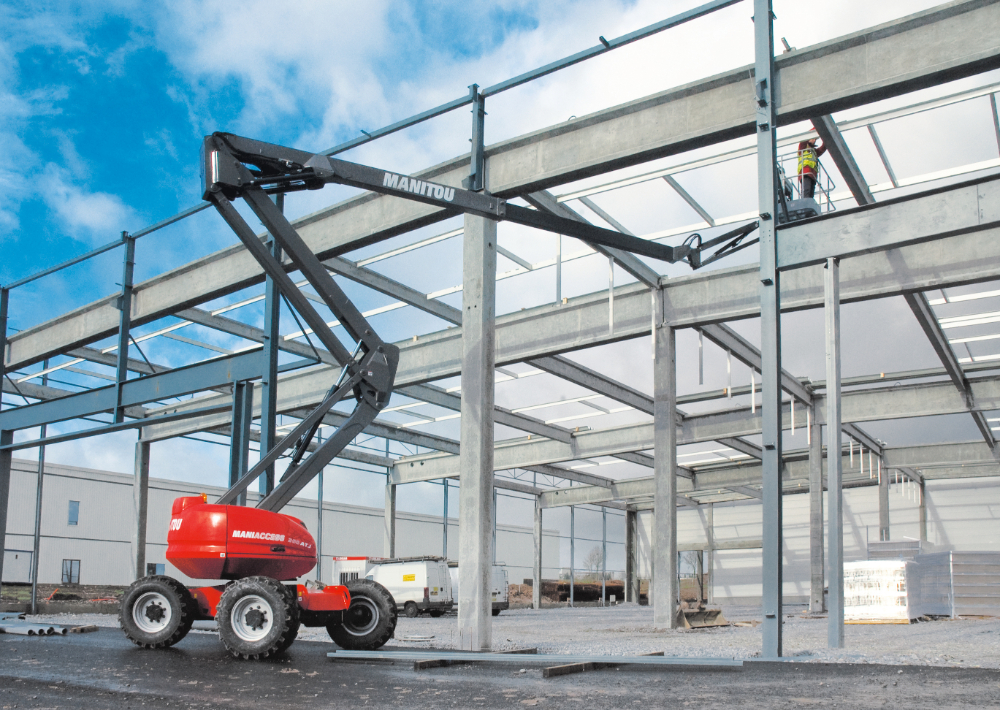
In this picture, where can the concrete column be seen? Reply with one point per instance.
(389, 537)
(923, 511)
(631, 576)
(710, 549)
(817, 600)
(835, 493)
(475, 555)
(536, 570)
(883, 505)
(140, 505)
(664, 587)
(6, 457)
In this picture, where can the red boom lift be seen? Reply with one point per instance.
(260, 552)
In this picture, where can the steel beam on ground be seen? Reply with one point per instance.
(829, 77)
(140, 506)
(835, 535)
(479, 255)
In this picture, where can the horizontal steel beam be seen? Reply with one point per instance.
(818, 80)
(731, 341)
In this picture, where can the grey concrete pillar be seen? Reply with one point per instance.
(883, 505)
(536, 570)
(817, 600)
(923, 511)
(475, 554)
(140, 506)
(631, 572)
(664, 589)
(389, 536)
(6, 458)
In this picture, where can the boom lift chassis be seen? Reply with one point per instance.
(257, 614)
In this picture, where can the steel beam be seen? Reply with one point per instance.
(833, 76)
(124, 326)
(731, 341)
(271, 339)
(570, 371)
(747, 491)
(6, 439)
(837, 147)
(817, 599)
(631, 557)
(389, 536)
(536, 569)
(239, 447)
(883, 505)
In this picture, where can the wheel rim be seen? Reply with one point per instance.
(361, 617)
(252, 618)
(151, 612)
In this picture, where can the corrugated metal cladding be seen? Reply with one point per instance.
(962, 515)
(102, 538)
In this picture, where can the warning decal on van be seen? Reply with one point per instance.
(409, 578)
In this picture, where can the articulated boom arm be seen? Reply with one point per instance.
(281, 169)
(234, 167)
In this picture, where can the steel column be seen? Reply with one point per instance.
(37, 536)
(536, 569)
(710, 550)
(664, 592)
(6, 456)
(4, 303)
(604, 553)
(817, 601)
(631, 578)
(476, 451)
(883, 505)
(770, 327)
(834, 471)
(140, 506)
(444, 519)
(572, 554)
(494, 525)
(269, 375)
(124, 324)
(389, 537)
(239, 447)
(477, 168)
(319, 527)
(923, 510)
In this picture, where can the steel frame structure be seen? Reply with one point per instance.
(875, 250)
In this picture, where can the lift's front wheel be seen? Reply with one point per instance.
(257, 618)
(156, 612)
(370, 621)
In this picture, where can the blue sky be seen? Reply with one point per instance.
(103, 107)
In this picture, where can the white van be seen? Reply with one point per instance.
(499, 591)
(418, 584)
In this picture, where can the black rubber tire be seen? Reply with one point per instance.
(370, 621)
(436, 613)
(496, 612)
(257, 600)
(177, 611)
(410, 610)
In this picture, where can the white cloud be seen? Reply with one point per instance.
(93, 217)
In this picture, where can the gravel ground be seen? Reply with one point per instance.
(627, 630)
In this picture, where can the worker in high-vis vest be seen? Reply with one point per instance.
(808, 166)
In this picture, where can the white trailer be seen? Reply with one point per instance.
(499, 591)
(418, 584)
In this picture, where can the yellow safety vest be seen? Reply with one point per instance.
(808, 160)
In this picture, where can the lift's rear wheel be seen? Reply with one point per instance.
(370, 621)
(156, 612)
(257, 618)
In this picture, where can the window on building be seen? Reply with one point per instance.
(154, 568)
(71, 572)
(74, 512)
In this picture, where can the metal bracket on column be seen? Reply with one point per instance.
(124, 304)
(477, 166)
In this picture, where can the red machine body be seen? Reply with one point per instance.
(209, 541)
